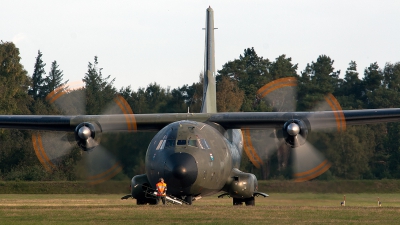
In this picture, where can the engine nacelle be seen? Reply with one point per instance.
(140, 190)
(87, 135)
(241, 185)
(295, 132)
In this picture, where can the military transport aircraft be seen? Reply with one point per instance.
(198, 154)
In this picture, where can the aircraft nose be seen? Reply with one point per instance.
(180, 170)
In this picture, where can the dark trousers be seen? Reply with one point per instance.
(161, 198)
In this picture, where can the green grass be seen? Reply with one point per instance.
(63, 187)
(268, 186)
(333, 186)
(279, 208)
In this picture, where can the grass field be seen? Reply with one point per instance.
(279, 208)
(268, 186)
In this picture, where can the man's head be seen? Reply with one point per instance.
(161, 179)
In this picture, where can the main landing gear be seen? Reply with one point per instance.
(189, 199)
(248, 201)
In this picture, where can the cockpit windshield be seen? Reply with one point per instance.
(192, 143)
(181, 142)
(170, 143)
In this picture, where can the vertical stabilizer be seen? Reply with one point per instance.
(209, 90)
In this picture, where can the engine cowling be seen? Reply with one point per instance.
(241, 185)
(87, 135)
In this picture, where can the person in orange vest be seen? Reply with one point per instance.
(161, 191)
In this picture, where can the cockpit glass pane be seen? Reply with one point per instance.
(181, 142)
(170, 143)
(204, 143)
(192, 143)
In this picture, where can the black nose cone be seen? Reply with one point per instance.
(180, 170)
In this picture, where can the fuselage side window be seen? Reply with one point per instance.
(181, 142)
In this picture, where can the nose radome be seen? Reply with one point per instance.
(180, 170)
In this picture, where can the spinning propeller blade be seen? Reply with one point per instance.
(259, 145)
(281, 94)
(308, 163)
(51, 147)
(101, 165)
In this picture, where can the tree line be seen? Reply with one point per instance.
(361, 152)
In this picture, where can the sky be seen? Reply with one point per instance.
(142, 42)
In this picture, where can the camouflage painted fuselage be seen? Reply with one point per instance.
(194, 158)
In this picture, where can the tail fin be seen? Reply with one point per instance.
(209, 89)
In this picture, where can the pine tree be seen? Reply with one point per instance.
(283, 67)
(99, 91)
(317, 80)
(373, 87)
(250, 72)
(350, 94)
(38, 77)
(373, 77)
(194, 94)
(53, 80)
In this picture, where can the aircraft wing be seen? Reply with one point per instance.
(260, 120)
(236, 120)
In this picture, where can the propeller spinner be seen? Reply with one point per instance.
(295, 133)
(86, 136)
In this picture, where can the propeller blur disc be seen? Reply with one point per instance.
(69, 98)
(259, 145)
(308, 163)
(51, 147)
(280, 94)
(101, 165)
(334, 121)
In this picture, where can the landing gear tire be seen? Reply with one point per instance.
(237, 201)
(189, 199)
(250, 201)
(140, 202)
(153, 202)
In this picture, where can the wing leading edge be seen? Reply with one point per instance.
(236, 120)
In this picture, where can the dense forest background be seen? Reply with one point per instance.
(361, 152)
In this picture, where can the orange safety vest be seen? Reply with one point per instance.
(161, 189)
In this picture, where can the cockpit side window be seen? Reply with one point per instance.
(170, 143)
(192, 142)
(181, 142)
